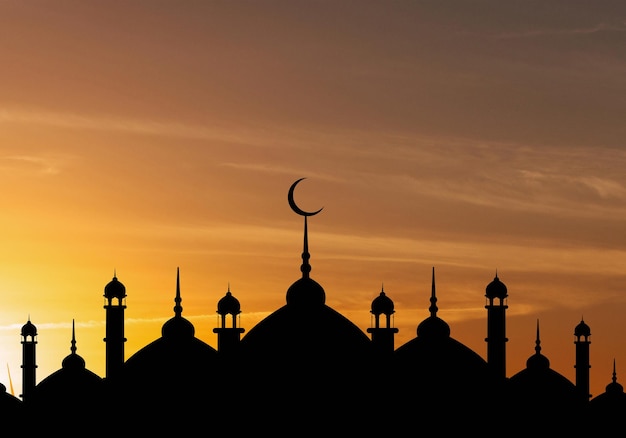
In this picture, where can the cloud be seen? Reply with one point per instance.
(598, 28)
(39, 164)
(127, 125)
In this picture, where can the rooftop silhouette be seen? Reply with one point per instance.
(306, 368)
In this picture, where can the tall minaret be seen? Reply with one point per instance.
(228, 337)
(114, 304)
(582, 332)
(383, 337)
(496, 304)
(29, 364)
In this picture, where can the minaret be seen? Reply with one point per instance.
(496, 304)
(114, 304)
(29, 364)
(582, 332)
(383, 337)
(228, 337)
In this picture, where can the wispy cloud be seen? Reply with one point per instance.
(39, 164)
(69, 120)
(600, 27)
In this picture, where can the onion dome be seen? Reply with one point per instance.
(29, 329)
(228, 304)
(114, 289)
(178, 327)
(305, 292)
(447, 375)
(605, 411)
(542, 393)
(72, 389)
(538, 360)
(73, 361)
(433, 326)
(496, 289)
(382, 305)
(582, 330)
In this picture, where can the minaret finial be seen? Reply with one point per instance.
(305, 267)
(614, 379)
(73, 347)
(537, 340)
(178, 309)
(433, 297)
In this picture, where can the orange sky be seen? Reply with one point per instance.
(139, 137)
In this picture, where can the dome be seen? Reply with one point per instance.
(496, 289)
(228, 305)
(318, 331)
(73, 388)
(582, 330)
(382, 304)
(433, 327)
(29, 329)
(167, 376)
(176, 354)
(114, 289)
(538, 361)
(178, 327)
(305, 292)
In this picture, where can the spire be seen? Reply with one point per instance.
(73, 347)
(178, 326)
(305, 267)
(433, 297)
(73, 360)
(178, 309)
(537, 340)
(614, 379)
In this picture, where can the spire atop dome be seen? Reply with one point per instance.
(433, 297)
(73, 360)
(538, 360)
(305, 292)
(306, 266)
(178, 326)
(537, 340)
(178, 309)
(433, 326)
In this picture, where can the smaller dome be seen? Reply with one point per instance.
(614, 388)
(582, 329)
(382, 304)
(228, 304)
(305, 293)
(433, 327)
(29, 329)
(178, 327)
(73, 361)
(496, 289)
(114, 289)
(538, 361)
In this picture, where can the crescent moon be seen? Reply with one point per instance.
(293, 205)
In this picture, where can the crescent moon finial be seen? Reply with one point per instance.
(293, 204)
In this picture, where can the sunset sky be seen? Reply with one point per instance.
(138, 137)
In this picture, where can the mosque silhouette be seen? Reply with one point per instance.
(307, 370)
